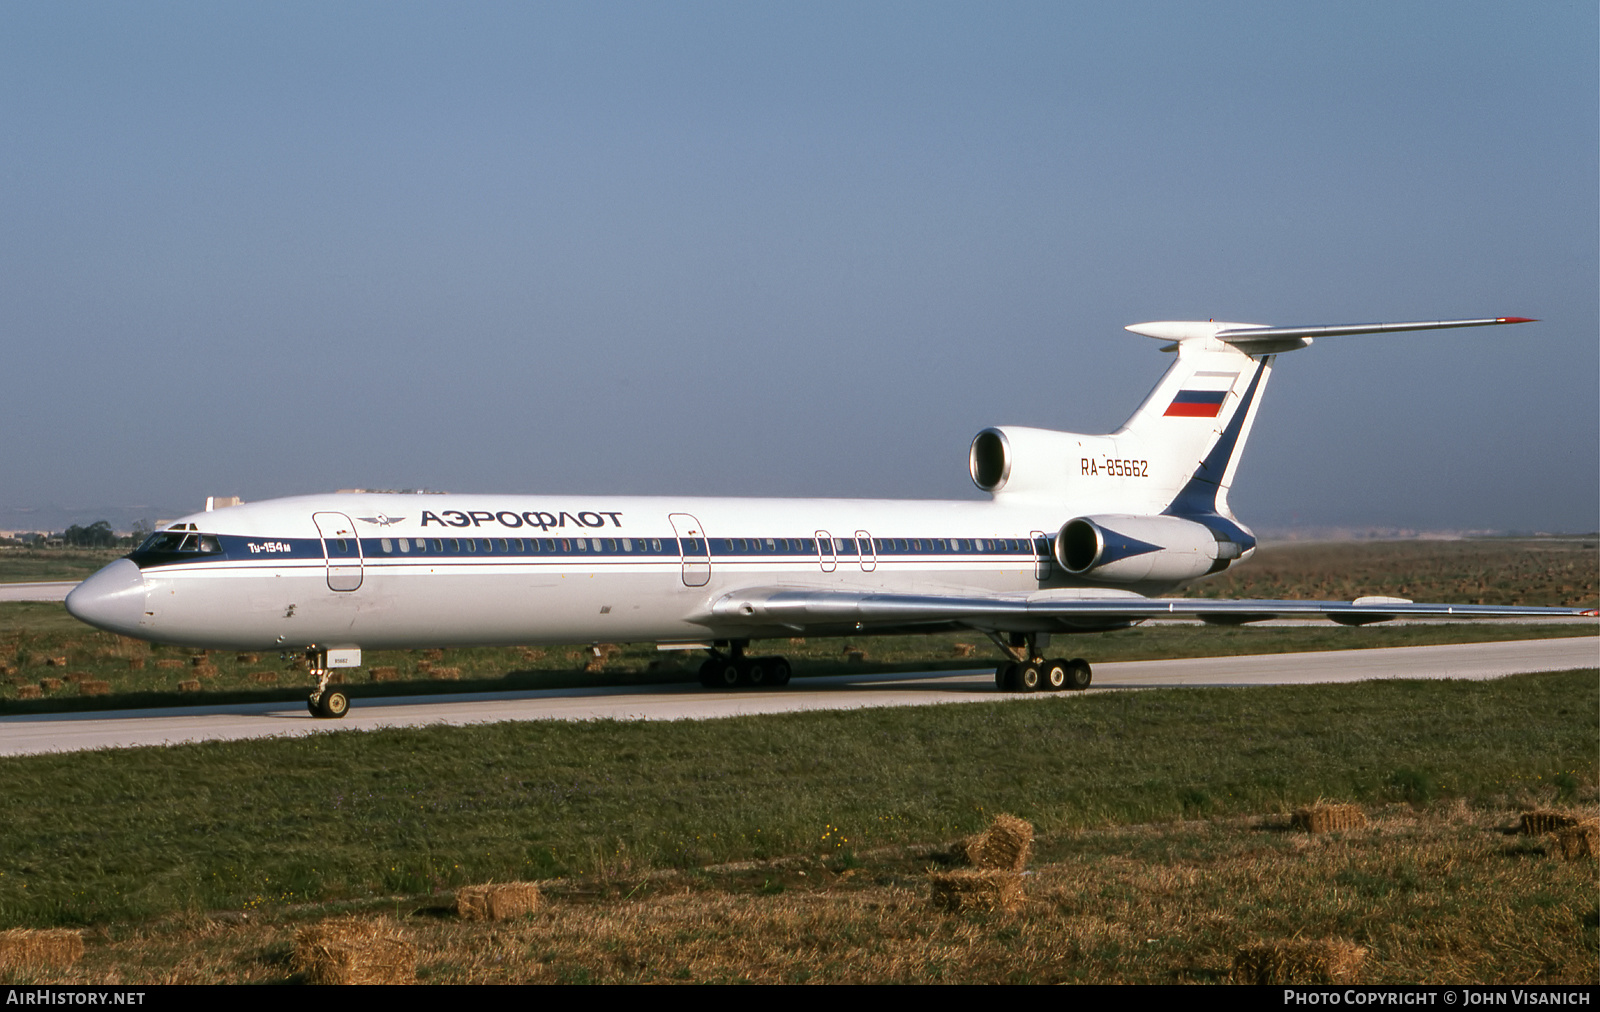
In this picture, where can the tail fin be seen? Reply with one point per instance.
(1200, 413)
(1194, 424)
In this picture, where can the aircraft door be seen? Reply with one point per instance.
(1041, 554)
(693, 548)
(341, 549)
(827, 557)
(868, 552)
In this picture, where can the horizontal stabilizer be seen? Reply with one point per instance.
(1251, 338)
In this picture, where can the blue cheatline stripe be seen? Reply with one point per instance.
(1200, 396)
(236, 549)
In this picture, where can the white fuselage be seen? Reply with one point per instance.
(447, 570)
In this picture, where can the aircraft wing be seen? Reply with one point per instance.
(800, 609)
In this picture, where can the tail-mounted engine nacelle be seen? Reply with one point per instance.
(1017, 460)
(1139, 549)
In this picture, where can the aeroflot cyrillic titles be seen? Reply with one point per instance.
(1081, 533)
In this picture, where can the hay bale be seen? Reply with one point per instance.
(93, 688)
(248, 659)
(387, 673)
(1331, 961)
(22, 947)
(76, 677)
(423, 667)
(55, 662)
(1580, 841)
(189, 685)
(28, 692)
(496, 901)
(1004, 846)
(1546, 820)
(963, 649)
(447, 674)
(168, 662)
(205, 670)
(967, 890)
(351, 950)
(50, 684)
(1325, 818)
(136, 664)
(433, 655)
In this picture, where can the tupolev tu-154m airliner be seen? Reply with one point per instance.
(1082, 533)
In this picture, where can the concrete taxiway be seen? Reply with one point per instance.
(23, 735)
(56, 591)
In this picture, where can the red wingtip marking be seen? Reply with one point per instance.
(1516, 319)
(1592, 613)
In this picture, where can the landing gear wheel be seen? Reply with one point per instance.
(753, 673)
(710, 673)
(335, 704)
(1028, 677)
(778, 671)
(1078, 674)
(332, 704)
(719, 673)
(1005, 677)
(1054, 675)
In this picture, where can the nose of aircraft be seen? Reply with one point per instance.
(112, 599)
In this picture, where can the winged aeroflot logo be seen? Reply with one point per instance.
(381, 520)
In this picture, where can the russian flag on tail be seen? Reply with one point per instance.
(1197, 403)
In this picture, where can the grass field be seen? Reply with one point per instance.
(1533, 571)
(1444, 894)
(39, 565)
(1160, 814)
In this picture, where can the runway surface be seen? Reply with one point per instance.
(56, 591)
(24, 735)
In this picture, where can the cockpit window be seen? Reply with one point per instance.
(180, 541)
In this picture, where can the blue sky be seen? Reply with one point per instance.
(768, 249)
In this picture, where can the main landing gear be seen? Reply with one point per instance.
(734, 670)
(324, 701)
(1027, 671)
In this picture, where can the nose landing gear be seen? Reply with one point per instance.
(324, 702)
